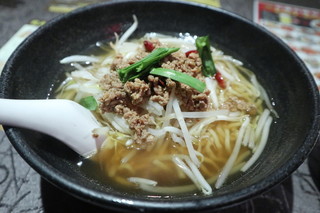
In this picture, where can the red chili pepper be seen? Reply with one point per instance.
(148, 45)
(220, 80)
(190, 51)
(162, 83)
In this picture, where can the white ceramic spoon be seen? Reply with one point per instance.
(63, 119)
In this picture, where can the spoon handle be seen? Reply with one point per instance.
(29, 114)
(62, 119)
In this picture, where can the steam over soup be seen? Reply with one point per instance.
(177, 114)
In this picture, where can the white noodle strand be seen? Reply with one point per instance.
(185, 131)
(205, 187)
(78, 58)
(228, 166)
(177, 139)
(191, 170)
(261, 123)
(263, 94)
(261, 145)
(246, 138)
(211, 86)
(204, 114)
(186, 170)
(169, 108)
(161, 132)
(129, 32)
(138, 180)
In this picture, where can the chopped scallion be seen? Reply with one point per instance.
(180, 77)
(144, 66)
(203, 48)
(89, 102)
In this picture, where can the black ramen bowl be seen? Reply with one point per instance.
(34, 67)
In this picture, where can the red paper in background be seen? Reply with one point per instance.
(298, 26)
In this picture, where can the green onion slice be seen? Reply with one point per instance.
(181, 77)
(89, 102)
(144, 66)
(203, 48)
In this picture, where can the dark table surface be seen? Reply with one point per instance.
(23, 190)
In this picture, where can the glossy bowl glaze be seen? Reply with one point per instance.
(34, 67)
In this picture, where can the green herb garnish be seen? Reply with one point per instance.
(89, 102)
(181, 77)
(203, 48)
(144, 66)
